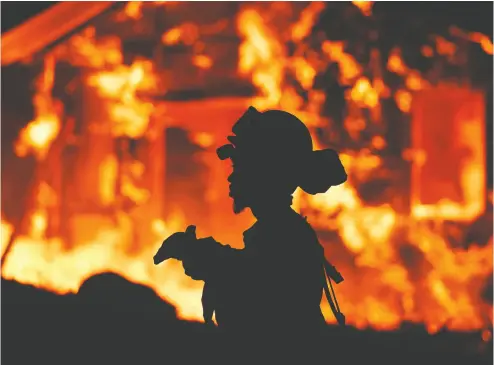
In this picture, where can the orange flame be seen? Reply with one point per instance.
(413, 79)
(130, 115)
(261, 55)
(188, 33)
(85, 50)
(364, 94)
(395, 62)
(133, 9)
(364, 6)
(349, 68)
(40, 133)
(307, 18)
(483, 40)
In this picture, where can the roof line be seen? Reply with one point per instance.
(48, 27)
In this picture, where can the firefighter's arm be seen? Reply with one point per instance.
(207, 258)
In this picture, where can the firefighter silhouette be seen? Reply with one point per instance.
(272, 288)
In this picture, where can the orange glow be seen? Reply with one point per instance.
(129, 114)
(40, 133)
(38, 225)
(445, 47)
(303, 27)
(305, 72)
(108, 171)
(403, 100)
(172, 36)
(7, 230)
(261, 55)
(427, 51)
(483, 40)
(378, 142)
(412, 78)
(381, 89)
(202, 61)
(133, 9)
(349, 68)
(363, 93)
(133, 172)
(459, 189)
(204, 140)
(83, 49)
(52, 266)
(486, 335)
(397, 265)
(414, 81)
(364, 6)
(395, 62)
(187, 33)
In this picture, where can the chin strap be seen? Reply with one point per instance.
(340, 317)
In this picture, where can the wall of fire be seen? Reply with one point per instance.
(113, 96)
(127, 114)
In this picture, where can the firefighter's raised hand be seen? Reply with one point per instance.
(174, 247)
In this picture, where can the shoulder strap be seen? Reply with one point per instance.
(329, 272)
(340, 317)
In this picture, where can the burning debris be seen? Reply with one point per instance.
(385, 229)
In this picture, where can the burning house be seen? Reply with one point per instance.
(130, 100)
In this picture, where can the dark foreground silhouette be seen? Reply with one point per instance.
(113, 321)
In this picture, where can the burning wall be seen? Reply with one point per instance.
(125, 153)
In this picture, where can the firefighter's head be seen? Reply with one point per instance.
(272, 155)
